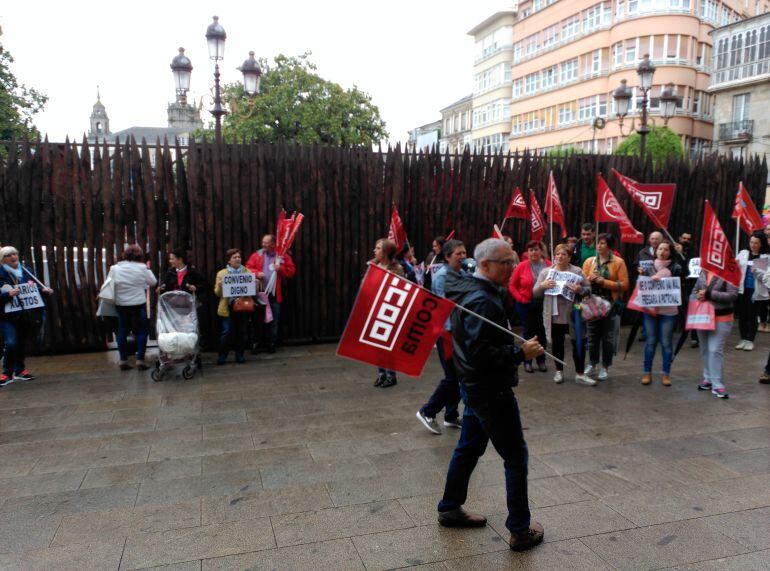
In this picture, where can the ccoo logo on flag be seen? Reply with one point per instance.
(716, 253)
(388, 314)
(651, 199)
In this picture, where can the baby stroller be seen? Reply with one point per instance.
(177, 335)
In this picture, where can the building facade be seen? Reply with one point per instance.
(425, 137)
(544, 72)
(740, 84)
(457, 125)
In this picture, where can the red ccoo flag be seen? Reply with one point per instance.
(746, 212)
(537, 225)
(655, 199)
(394, 323)
(517, 208)
(553, 209)
(716, 255)
(608, 209)
(396, 231)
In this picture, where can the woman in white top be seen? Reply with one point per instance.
(752, 291)
(132, 279)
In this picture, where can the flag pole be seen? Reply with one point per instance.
(502, 224)
(737, 233)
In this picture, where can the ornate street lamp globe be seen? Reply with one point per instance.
(668, 101)
(215, 36)
(622, 97)
(252, 74)
(645, 69)
(181, 67)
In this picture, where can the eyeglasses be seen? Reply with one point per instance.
(508, 262)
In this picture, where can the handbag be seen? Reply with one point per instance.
(107, 291)
(700, 315)
(106, 309)
(594, 307)
(243, 305)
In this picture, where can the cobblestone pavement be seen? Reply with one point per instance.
(294, 461)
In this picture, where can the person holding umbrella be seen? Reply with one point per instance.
(659, 325)
(559, 317)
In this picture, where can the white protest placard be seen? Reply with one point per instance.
(28, 298)
(694, 268)
(563, 281)
(666, 292)
(239, 285)
(647, 265)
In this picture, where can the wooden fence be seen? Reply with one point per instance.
(74, 207)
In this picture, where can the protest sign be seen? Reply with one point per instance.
(647, 265)
(563, 281)
(29, 298)
(760, 263)
(694, 268)
(666, 292)
(239, 285)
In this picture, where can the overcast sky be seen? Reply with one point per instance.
(413, 57)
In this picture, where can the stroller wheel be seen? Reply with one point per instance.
(156, 375)
(188, 372)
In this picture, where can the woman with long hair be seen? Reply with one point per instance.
(385, 257)
(752, 291)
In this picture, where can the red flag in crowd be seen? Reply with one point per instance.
(655, 199)
(608, 209)
(517, 208)
(553, 209)
(397, 232)
(716, 255)
(394, 323)
(450, 236)
(286, 231)
(496, 233)
(537, 225)
(746, 212)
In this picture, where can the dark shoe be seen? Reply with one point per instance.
(704, 386)
(221, 359)
(142, 366)
(380, 380)
(528, 368)
(453, 423)
(542, 367)
(125, 366)
(271, 348)
(240, 359)
(694, 344)
(461, 518)
(765, 379)
(23, 376)
(388, 382)
(527, 539)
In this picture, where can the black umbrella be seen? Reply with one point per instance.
(632, 334)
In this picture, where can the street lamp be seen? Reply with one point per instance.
(622, 95)
(668, 102)
(181, 66)
(252, 73)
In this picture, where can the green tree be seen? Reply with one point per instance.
(18, 104)
(661, 143)
(296, 105)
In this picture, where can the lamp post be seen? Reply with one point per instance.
(182, 70)
(216, 36)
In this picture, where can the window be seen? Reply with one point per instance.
(568, 71)
(696, 103)
(550, 77)
(593, 18)
(620, 9)
(630, 52)
(617, 55)
(532, 43)
(587, 108)
(570, 27)
(550, 36)
(518, 51)
(518, 87)
(494, 42)
(566, 114)
(596, 61)
(741, 105)
(531, 83)
(708, 10)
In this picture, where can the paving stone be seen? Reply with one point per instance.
(138, 473)
(313, 473)
(555, 491)
(689, 470)
(338, 523)
(253, 505)
(756, 561)
(599, 458)
(40, 484)
(603, 483)
(205, 542)
(750, 528)
(208, 447)
(186, 566)
(152, 438)
(338, 555)
(485, 500)
(747, 438)
(109, 524)
(662, 545)
(26, 534)
(685, 447)
(425, 544)
(67, 503)
(96, 556)
(253, 459)
(69, 462)
(745, 462)
(571, 554)
(385, 486)
(179, 490)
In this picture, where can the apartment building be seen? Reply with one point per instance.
(456, 120)
(491, 99)
(740, 84)
(558, 61)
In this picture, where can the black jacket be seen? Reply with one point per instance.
(192, 277)
(486, 357)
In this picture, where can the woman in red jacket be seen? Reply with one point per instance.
(530, 310)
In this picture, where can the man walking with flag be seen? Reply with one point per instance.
(487, 361)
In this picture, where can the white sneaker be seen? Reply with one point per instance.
(589, 369)
(602, 376)
(585, 380)
(429, 423)
(741, 345)
(749, 346)
(558, 377)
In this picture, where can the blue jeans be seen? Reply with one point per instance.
(531, 316)
(660, 329)
(15, 336)
(496, 418)
(447, 393)
(132, 318)
(235, 333)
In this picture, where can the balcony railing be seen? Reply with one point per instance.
(736, 130)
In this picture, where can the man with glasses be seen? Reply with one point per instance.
(487, 359)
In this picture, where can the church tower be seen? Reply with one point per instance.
(100, 123)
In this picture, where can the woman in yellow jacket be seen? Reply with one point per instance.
(235, 325)
(609, 279)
